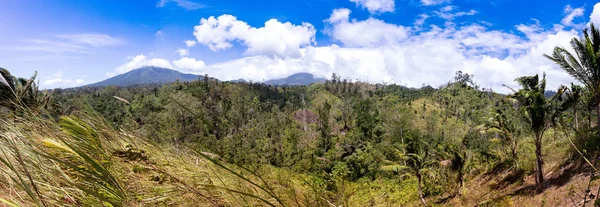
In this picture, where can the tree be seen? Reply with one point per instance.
(419, 161)
(366, 118)
(22, 92)
(572, 98)
(506, 126)
(538, 112)
(585, 67)
(324, 129)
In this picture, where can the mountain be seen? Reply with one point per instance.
(296, 79)
(549, 93)
(239, 81)
(146, 75)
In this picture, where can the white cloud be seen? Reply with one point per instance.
(186, 4)
(57, 81)
(376, 6)
(339, 15)
(595, 16)
(138, 62)
(376, 51)
(571, 13)
(183, 52)
(275, 38)
(447, 14)
(67, 43)
(190, 43)
(371, 32)
(421, 20)
(433, 2)
(191, 65)
(391, 53)
(185, 64)
(96, 40)
(158, 34)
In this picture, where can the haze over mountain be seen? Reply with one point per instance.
(296, 79)
(146, 75)
(158, 75)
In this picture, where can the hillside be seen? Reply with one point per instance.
(146, 75)
(336, 143)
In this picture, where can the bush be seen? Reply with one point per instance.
(587, 141)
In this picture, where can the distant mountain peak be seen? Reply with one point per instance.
(302, 78)
(146, 75)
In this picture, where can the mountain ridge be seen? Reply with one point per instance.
(301, 78)
(156, 75)
(145, 75)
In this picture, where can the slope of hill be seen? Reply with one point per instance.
(146, 75)
(296, 79)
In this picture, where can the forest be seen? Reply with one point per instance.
(339, 143)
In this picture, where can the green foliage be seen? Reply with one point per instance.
(340, 136)
(19, 93)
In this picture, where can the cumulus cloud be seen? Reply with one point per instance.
(377, 51)
(595, 16)
(186, 4)
(393, 54)
(376, 6)
(429, 58)
(433, 2)
(185, 64)
(183, 52)
(275, 38)
(448, 13)
(57, 81)
(190, 65)
(190, 43)
(571, 13)
(371, 32)
(421, 20)
(138, 62)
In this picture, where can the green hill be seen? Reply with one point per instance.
(144, 76)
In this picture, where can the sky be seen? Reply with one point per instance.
(408, 42)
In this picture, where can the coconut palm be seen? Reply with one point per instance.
(15, 92)
(585, 64)
(571, 99)
(501, 122)
(419, 162)
(538, 112)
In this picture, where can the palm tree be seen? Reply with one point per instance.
(418, 162)
(502, 123)
(572, 98)
(15, 92)
(538, 112)
(585, 66)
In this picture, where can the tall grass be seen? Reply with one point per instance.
(80, 160)
(54, 164)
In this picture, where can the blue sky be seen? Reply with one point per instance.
(408, 42)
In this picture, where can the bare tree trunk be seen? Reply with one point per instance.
(539, 175)
(576, 118)
(589, 117)
(421, 190)
(598, 115)
(514, 150)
